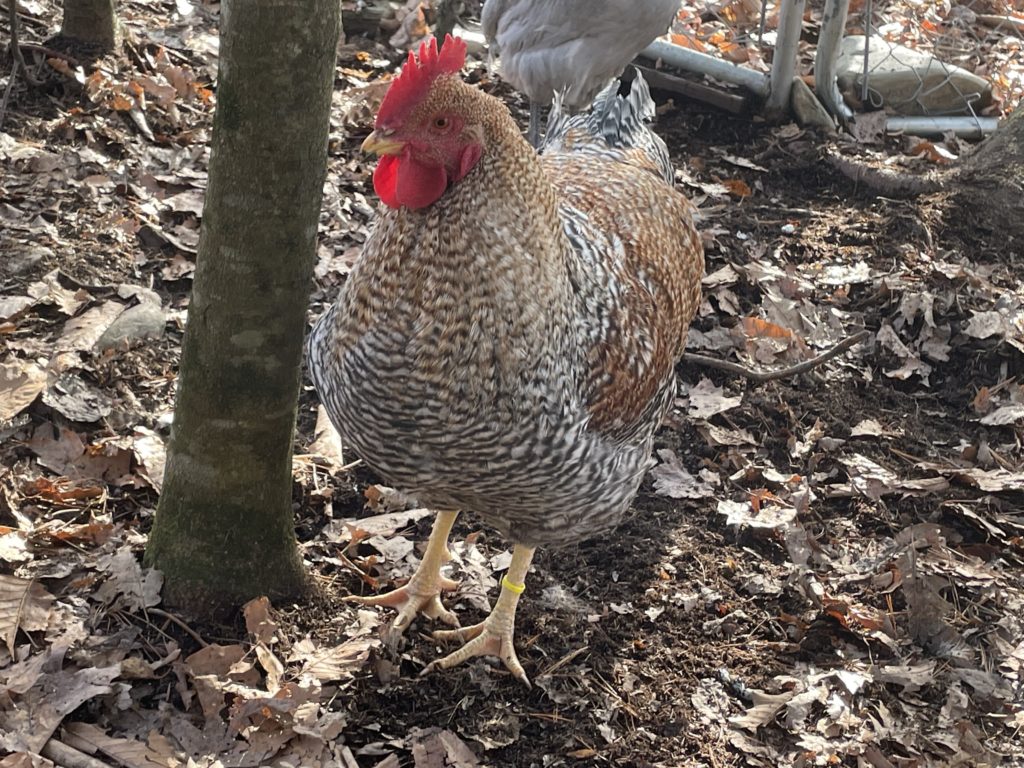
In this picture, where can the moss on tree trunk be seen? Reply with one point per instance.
(91, 21)
(224, 527)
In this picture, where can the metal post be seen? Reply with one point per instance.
(703, 64)
(833, 25)
(787, 45)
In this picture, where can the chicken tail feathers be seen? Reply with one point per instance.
(615, 126)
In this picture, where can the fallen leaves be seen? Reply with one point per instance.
(127, 586)
(805, 552)
(672, 479)
(338, 662)
(24, 604)
(20, 383)
(706, 399)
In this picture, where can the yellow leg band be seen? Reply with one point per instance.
(516, 588)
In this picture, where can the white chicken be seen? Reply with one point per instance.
(574, 47)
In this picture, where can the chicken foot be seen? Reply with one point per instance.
(494, 635)
(422, 593)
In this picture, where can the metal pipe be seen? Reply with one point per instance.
(787, 45)
(965, 127)
(701, 63)
(833, 25)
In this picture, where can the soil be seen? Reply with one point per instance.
(643, 643)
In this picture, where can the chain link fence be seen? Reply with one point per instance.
(925, 58)
(942, 43)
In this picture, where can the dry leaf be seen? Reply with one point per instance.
(81, 333)
(737, 187)
(337, 662)
(706, 399)
(258, 621)
(127, 585)
(24, 604)
(672, 479)
(128, 752)
(20, 384)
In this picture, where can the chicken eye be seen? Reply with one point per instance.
(441, 123)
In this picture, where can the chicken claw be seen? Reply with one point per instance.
(493, 636)
(484, 640)
(422, 594)
(418, 596)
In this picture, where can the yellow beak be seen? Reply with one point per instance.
(382, 145)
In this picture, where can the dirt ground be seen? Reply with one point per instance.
(823, 570)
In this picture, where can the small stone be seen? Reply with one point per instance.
(143, 321)
(808, 110)
(23, 259)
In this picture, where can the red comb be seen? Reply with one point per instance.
(417, 75)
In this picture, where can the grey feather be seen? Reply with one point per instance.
(572, 47)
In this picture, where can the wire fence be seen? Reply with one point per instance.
(931, 47)
(977, 37)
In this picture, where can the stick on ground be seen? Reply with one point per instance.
(783, 373)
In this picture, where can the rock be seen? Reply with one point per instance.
(908, 81)
(138, 292)
(808, 110)
(24, 258)
(143, 321)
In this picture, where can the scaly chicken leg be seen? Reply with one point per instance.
(533, 132)
(422, 594)
(493, 636)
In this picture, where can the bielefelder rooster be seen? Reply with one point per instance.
(505, 344)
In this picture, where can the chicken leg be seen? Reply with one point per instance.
(422, 593)
(533, 132)
(493, 636)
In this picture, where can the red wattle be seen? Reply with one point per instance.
(419, 185)
(400, 180)
(385, 181)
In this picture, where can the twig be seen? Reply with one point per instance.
(19, 60)
(7, 91)
(63, 755)
(728, 102)
(793, 370)
(367, 578)
(998, 22)
(174, 619)
(53, 54)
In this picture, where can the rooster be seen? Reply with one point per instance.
(573, 47)
(506, 342)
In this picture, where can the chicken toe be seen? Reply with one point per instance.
(419, 596)
(483, 641)
(422, 594)
(494, 635)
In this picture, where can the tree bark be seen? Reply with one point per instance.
(91, 21)
(989, 184)
(224, 530)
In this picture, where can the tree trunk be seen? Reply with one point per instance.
(224, 529)
(990, 184)
(91, 21)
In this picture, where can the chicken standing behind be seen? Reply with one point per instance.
(573, 47)
(506, 342)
